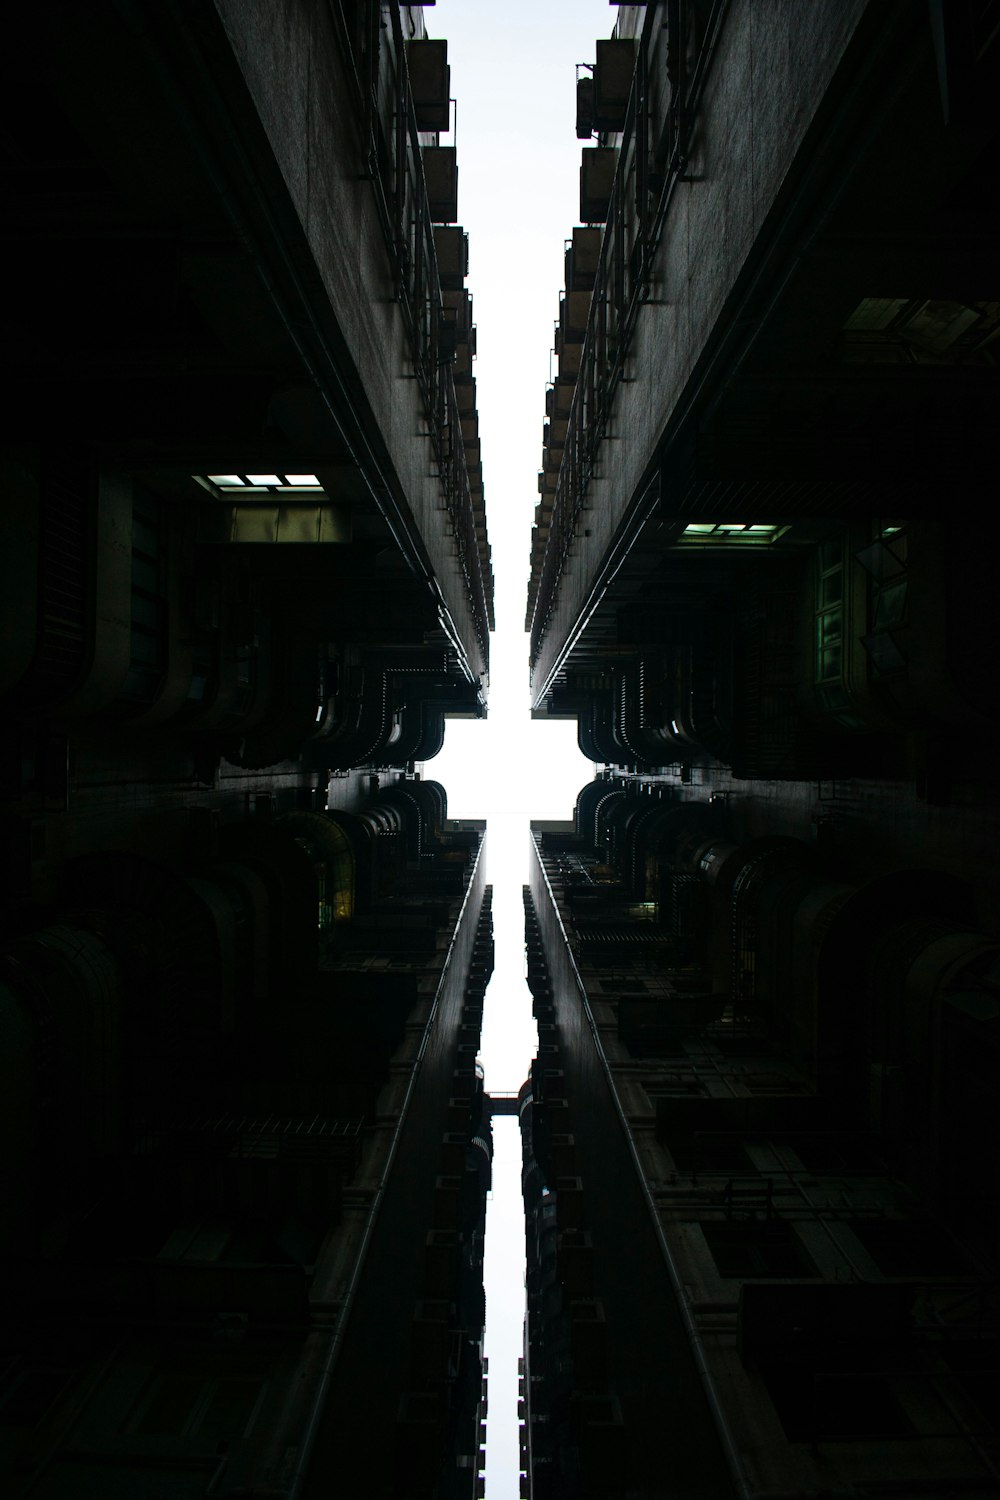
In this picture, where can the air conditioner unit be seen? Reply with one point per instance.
(451, 249)
(597, 177)
(430, 83)
(613, 82)
(441, 180)
(584, 108)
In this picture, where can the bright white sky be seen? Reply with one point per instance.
(513, 74)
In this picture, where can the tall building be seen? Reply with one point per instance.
(246, 1157)
(243, 492)
(775, 348)
(761, 1202)
(759, 1180)
(245, 578)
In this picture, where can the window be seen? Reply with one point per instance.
(148, 640)
(771, 1083)
(853, 1154)
(975, 1363)
(768, 1247)
(674, 1086)
(835, 1395)
(830, 614)
(907, 1247)
(195, 1401)
(28, 1393)
(830, 636)
(885, 562)
(711, 1153)
(228, 483)
(890, 606)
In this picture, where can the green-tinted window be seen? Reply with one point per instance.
(728, 533)
(828, 671)
(890, 606)
(831, 588)
(830, 663)
(830, 626)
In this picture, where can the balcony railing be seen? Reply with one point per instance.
(667, 88)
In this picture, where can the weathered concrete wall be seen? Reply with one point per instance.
(651, 1369)
(354, 1445)
(291, 62)
(774, 63)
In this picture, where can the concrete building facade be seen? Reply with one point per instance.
(755, 449)
(760, 1195)
(245, 578)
